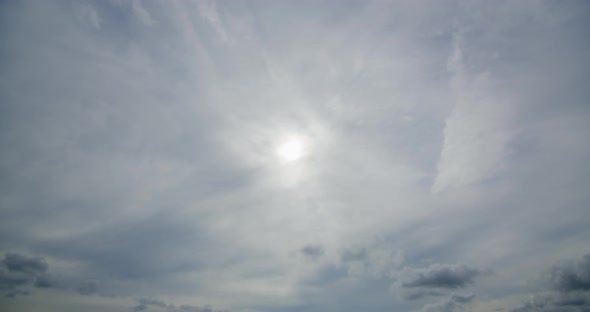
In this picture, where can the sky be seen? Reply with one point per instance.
(285, 156)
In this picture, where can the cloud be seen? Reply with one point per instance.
(17, 292)
(19, 263)
(144, 157)
(445, 276)
(354, 255)
(572, 276)
(46, 281)
(565, 287)
(551, 302)
(88, 288)
(377, 260)
(420, 293)
(141, 13)
(312, 251)
(18, 271)
(144, 304)
(19, 274)
(10, 280)
(452, 304)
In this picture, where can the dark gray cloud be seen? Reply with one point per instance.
(448, 276)
(19, 263)
(18, 272)
(313, 251)
(572, 276)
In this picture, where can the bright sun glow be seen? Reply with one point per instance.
(290, 150)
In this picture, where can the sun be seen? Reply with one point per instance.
(291, 149)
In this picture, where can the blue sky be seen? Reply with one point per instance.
(262, 156)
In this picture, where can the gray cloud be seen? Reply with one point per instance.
(565, 287)
(359, 254)
(10, 280)
(452, 304)
(17, 292)
(448, 276)
(572, 276)
(420, 293)
(18, 263)
(88, 287)
(18, 271)
(21, 273)
(566, 302)
(141, 152)
(46, 281)
(312, 251)
(144, 304)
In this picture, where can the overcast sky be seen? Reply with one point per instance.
(284, 156)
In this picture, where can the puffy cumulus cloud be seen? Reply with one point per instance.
(454, 303)
(445, 276)
(147, 304)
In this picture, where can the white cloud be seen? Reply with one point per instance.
(143, 158)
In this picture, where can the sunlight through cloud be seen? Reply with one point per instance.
(291, 149)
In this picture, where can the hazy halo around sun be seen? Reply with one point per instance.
(291, 149)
